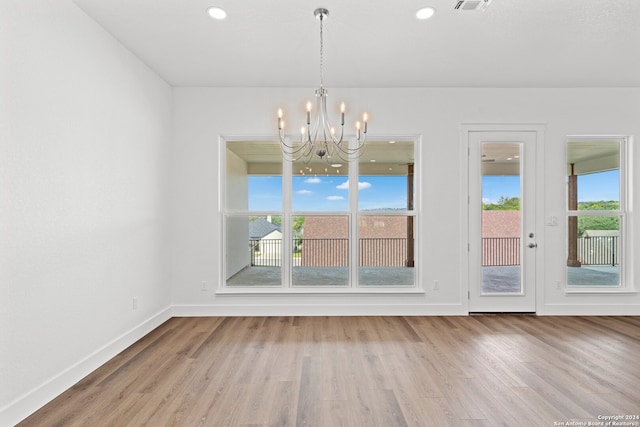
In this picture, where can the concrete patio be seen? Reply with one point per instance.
(494, 279)
(323, 276)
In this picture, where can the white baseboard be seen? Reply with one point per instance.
(589, 310)
(30, 402)
(231, 310)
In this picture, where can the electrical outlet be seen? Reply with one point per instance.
(436, 285)
(135, 303)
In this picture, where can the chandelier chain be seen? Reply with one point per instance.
(321, 50)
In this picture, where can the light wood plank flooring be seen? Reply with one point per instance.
(363, 371)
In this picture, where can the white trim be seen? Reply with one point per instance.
(585, 290)
(465, 130)
(35, 399)
(343, 309)
(626, 282)
(321, 290)
(597, 309)
(287, 287)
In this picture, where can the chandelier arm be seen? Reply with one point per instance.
(352, 153)
(292, 148)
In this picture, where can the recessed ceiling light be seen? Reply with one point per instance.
(216, 13)
(392, 142)
(425, 13)
(373, 160)
(336, 165)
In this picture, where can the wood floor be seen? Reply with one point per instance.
(363, 371)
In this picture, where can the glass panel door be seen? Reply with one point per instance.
(501, 218)
(502, 221)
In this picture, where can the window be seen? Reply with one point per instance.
(386, 221)
(300, 226)
(253, 236)
(596, 213)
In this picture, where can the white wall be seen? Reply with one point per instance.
(85, 130)
(202, 114)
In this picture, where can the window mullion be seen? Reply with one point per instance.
(287, 234)
(353, 219)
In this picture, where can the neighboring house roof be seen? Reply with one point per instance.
(260, 227)
(500, 223)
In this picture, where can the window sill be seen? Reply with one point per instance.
(319, 291)
(599, 291)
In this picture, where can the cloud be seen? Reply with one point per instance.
(304, 192)
(335, 198)
(313, 180)
(361, 185)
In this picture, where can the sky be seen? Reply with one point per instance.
(328, 193)
(322, 193)
(591, 188)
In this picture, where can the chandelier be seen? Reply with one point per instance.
(319, 138)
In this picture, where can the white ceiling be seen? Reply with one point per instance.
(373, 43)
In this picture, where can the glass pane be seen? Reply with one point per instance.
(593, 171)
(253, 176)
(386, 250)
(253, 251)
(387, 178)
(594, 253)
(265, 193)
(501, 218)
(320, 250)
(319, 186)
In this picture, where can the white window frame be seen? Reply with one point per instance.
(353, 214)
(626, 282)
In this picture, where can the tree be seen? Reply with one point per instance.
(598, 222)
(503, 204)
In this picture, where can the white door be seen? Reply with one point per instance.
(502, 221)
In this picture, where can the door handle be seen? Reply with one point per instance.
(533, 245)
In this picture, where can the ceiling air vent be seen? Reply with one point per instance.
(471, 4)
